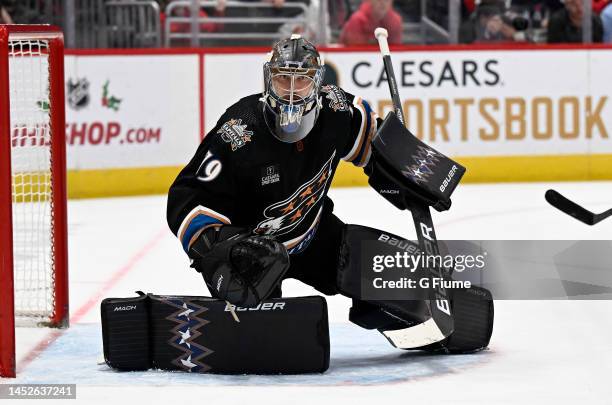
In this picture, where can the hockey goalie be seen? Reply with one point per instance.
(251, 208)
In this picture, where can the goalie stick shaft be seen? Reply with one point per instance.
(439, 303)
(569, 207)
(381, 35)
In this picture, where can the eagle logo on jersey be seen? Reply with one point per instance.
(425, 160)
(234, 133)
(284, 216)
(337, 99)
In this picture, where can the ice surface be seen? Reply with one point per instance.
(540, 352)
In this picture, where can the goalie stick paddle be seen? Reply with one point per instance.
(439, 304)
(563, 204)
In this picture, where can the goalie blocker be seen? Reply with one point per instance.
(205, 335)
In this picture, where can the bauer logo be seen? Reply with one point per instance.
(448, 178)
(125, 308)
(264, 306)
(402, 244)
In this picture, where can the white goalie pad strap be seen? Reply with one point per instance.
(419, 335)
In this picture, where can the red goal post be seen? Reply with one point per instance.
(33, 224)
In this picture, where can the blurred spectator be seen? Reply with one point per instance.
(19, 12)
(5, 17)
(282, 9)
(275, 3)
(310, 30)
(359, 29)
(599, 5)
(469, 5)
(606, 18)
(339, 11)
(487, 24)
(185, 11)
(410, 10)
(565, 25)
(553, 5)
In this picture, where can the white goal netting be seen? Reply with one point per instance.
(31, 171)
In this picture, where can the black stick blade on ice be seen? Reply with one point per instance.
(571, 208)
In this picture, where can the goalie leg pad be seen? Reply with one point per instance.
(370, 316)
(473, 312)
(201, 334)
(473, 316)
(125, 333)
(407, 323)
(352, 275)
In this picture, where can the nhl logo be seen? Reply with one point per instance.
(78, 93)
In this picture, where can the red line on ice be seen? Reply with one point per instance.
(93, 301)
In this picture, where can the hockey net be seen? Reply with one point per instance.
(33, 185)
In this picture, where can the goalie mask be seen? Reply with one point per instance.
(293, 77)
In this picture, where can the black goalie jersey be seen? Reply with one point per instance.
(242, 175)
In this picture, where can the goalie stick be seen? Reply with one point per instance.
(439, 304)
(569, 207)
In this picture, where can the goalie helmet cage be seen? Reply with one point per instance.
(33, 226)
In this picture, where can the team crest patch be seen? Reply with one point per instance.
(284, 216)
(337, 99)
(234, 133)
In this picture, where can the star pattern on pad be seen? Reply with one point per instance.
(184, 335)
(425, 160)
(186, 312)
